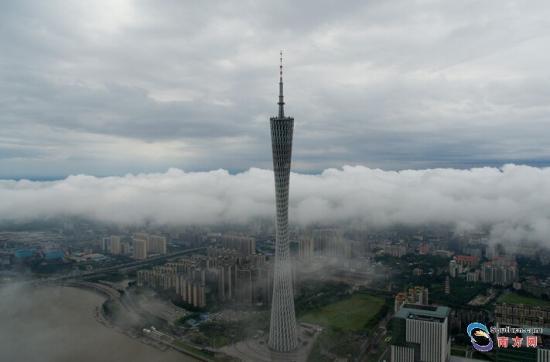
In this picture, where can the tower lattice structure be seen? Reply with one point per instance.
(282, 329)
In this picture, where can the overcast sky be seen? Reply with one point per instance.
(117, 86)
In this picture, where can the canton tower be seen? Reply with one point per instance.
(282, 330)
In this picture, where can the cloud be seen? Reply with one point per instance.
(511, 200)
(390, 84)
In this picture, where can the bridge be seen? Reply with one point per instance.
(106, 290)
(134, 265)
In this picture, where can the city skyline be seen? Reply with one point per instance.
(406, 219)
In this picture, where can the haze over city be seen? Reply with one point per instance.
(500, 199)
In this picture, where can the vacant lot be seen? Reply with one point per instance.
(350, 314)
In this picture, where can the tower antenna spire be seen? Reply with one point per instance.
(281, 98)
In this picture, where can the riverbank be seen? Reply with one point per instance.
(54, 323)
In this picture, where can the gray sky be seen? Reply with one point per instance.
(110, 87)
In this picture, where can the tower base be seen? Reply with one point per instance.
(257, 350)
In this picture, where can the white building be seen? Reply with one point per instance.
(420, 333)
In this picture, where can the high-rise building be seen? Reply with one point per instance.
(115, 245)
(155, 244)
(400, 299)
(105, 244)
(306, 248)
(140, 249)
(453, 268)
(415, 295)
(329, 242)
(420, 333)
(223, 275)
(499, 271)
(469, 261)
(125, 248)
(246, 245)
(282, 329)
(111, 244)
(473, 276)
(418, 295)
(142, 236)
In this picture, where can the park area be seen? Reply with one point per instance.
(514, 298)
(351, 314)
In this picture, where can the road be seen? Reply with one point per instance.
(138, 264)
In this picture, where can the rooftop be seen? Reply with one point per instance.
(422, 311)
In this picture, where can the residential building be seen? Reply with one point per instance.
(246, 245)
(306, 248)
(416, 295)
(499, 271)
(115, 245)
(140, 249)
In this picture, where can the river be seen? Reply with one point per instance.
(57, 324)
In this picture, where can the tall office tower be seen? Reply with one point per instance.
(420, 333)
(282, 329)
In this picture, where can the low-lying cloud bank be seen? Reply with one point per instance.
(514, 200)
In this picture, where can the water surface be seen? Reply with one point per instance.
(57, 324)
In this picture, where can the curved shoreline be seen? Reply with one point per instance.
(112, 294)
(54, 323)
